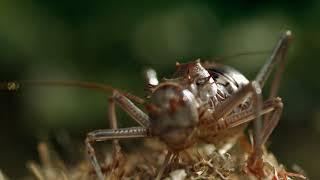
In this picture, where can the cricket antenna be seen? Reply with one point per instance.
(16, 85)
(235, 55)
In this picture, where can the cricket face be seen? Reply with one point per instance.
(173, 112)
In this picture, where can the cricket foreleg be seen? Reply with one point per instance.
(110, 134)
(114, 125)
(131, 109)
(115, 133)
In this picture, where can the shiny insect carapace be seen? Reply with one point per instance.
(201, 102)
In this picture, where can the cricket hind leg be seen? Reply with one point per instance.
(277, 58)
(281, 61)
(270, 121)
(223, 111)
(254, 89)
(273, 107)
(255, 161)
(116, 148)
(260, 135)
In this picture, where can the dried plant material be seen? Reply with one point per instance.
(199, 162)
(177, 174)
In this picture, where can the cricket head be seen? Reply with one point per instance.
(199, 80)
(173, 113)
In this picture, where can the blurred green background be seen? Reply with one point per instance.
(114, 41)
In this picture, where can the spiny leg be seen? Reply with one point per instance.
(277, 57)
(110, 134)
(133, 111)
(226, 107)
(273, 107)
(255, 161)
(245, 116)
(138, 115)
(114, 125)
(93, 159)
(271, 123)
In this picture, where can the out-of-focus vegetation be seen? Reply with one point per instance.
(113, 41)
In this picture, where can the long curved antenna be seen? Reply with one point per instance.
(16, 85)
(235, 55)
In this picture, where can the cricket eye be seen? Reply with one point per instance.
(200, 82)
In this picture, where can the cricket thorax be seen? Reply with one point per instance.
(210, 84)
